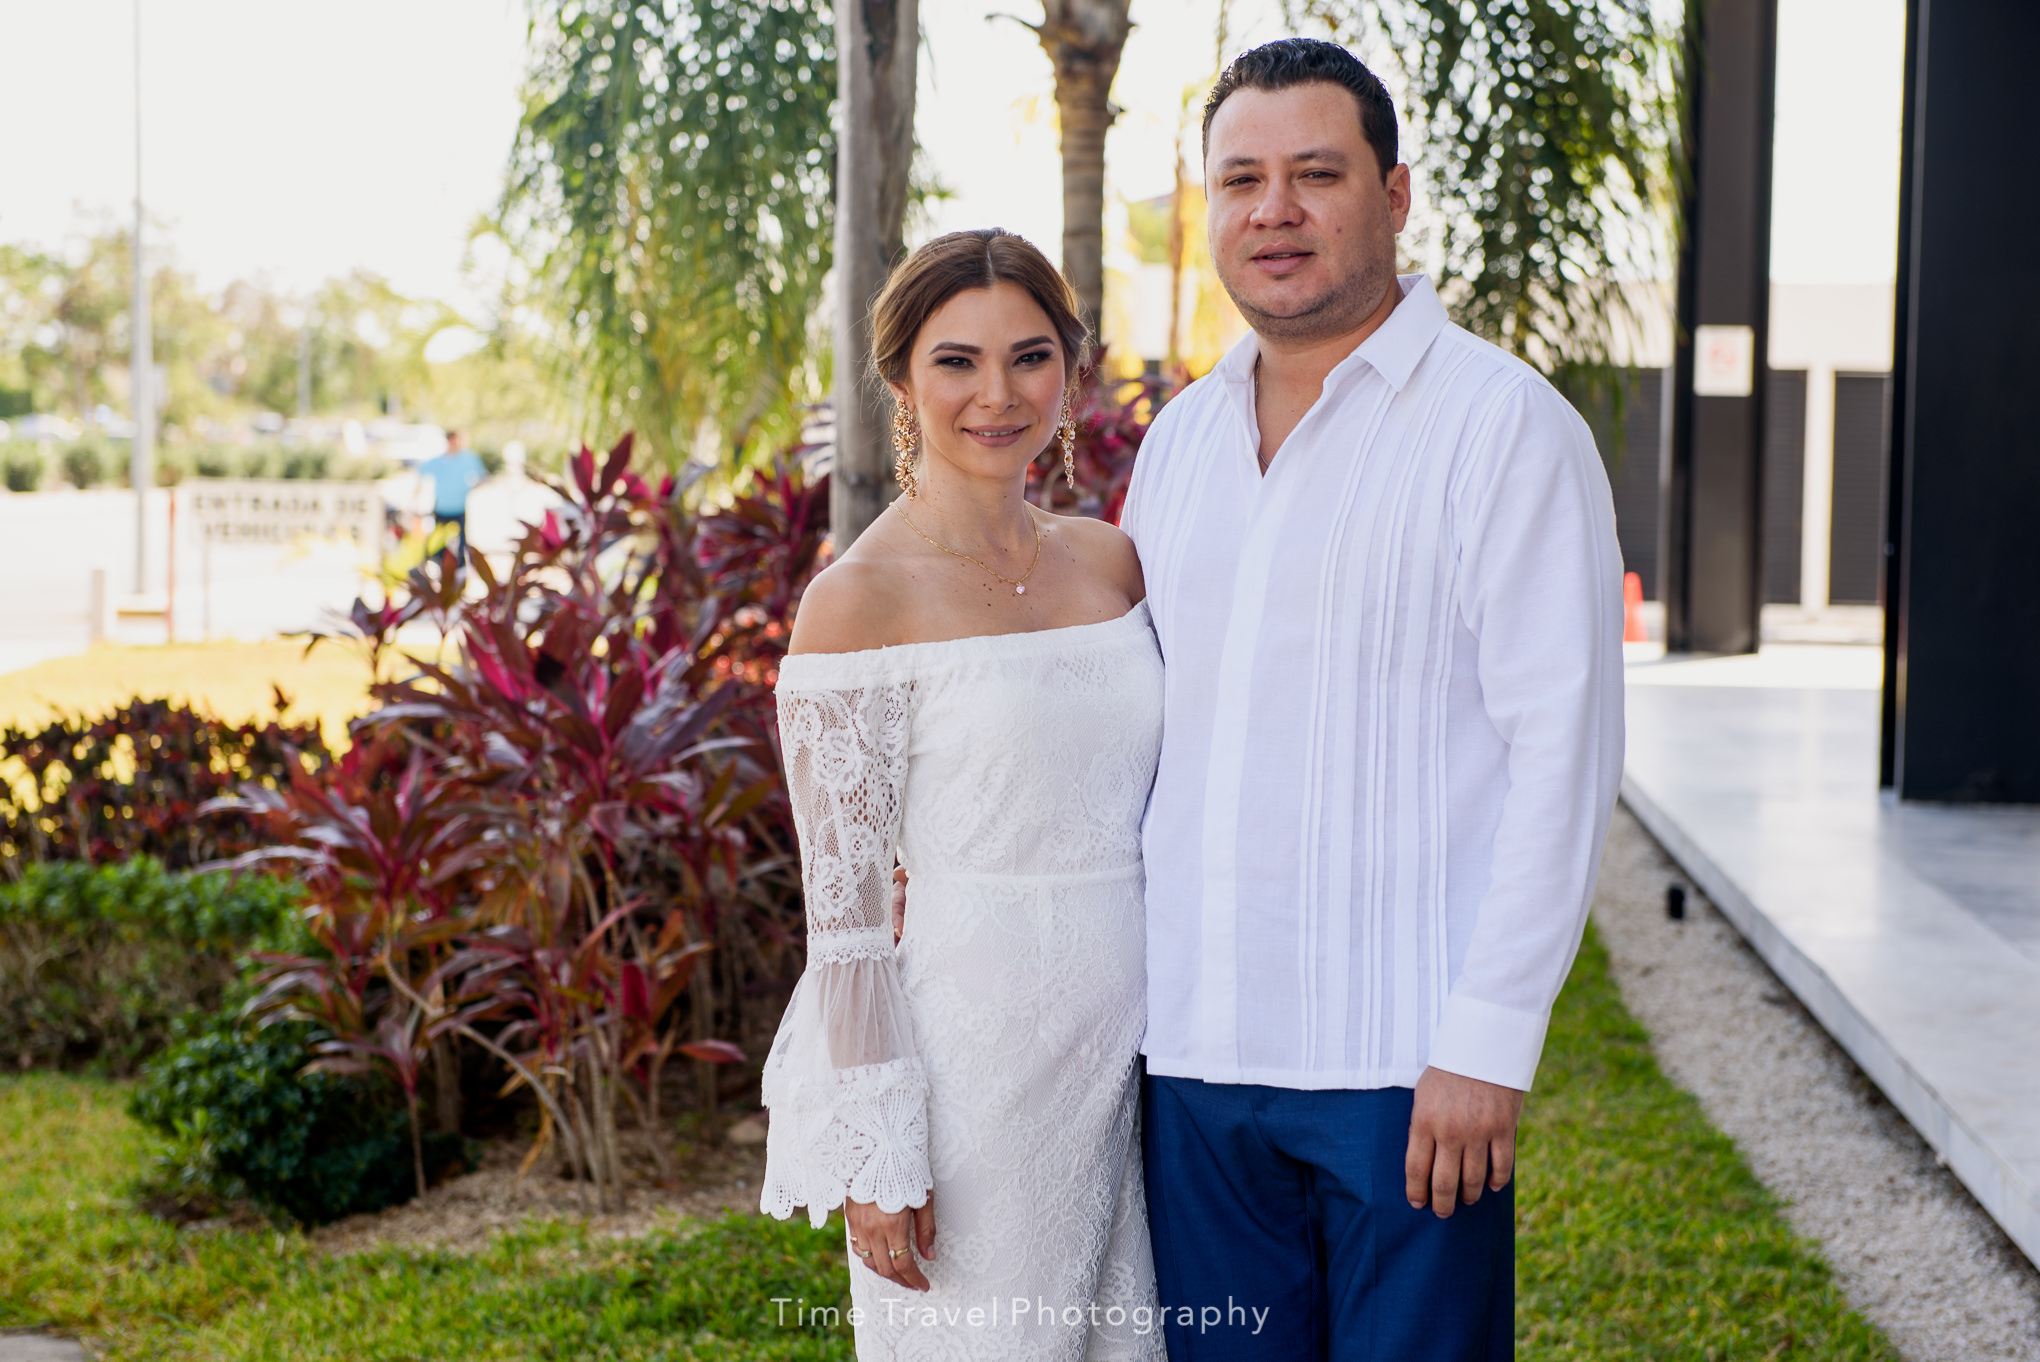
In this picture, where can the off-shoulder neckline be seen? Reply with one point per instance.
(903, 651)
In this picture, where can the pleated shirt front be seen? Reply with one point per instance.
(1392, 730)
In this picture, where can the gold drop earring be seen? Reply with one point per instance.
(1067, 433)
(906, 441)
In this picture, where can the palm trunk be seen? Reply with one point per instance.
(1083, 38)
(877, 42)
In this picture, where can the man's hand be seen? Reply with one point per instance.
(899, 902)
(1462, 1141)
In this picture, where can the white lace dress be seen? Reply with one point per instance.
(991, 1056)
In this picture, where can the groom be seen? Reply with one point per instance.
(1380, 555)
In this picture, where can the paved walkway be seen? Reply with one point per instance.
(40, 1348)
(1911, 933)
(1909, 1246)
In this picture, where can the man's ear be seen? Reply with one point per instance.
(1398, 185)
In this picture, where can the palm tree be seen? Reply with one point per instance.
(1083, 40)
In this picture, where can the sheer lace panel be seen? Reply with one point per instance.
(844, 1082)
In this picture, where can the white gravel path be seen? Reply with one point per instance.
(1914, 1253)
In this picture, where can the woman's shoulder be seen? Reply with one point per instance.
(1105, 550)
(851, 606)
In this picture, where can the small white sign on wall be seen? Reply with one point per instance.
(1724, 361)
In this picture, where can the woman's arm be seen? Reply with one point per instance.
(844, 1081)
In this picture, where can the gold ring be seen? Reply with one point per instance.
(894, 1253)
(864, 1254)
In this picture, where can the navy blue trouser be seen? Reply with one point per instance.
(460, 523)
(1282, 1231)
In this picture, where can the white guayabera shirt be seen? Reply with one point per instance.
(1393, 726)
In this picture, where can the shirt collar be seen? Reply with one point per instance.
(1393, 351)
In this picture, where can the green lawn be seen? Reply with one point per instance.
(1643, 1237)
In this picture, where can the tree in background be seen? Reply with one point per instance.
(1083, 40)
(1546, 131)
(670, 184)
(231, 356)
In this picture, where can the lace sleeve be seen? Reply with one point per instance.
(848, 1097)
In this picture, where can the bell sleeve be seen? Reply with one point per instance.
(844, 1083)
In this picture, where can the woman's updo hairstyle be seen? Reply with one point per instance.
(950, 264)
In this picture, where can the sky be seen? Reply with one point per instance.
(293, 141)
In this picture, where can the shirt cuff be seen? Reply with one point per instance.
(1493, 1044)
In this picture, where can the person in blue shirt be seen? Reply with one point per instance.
(453, 475)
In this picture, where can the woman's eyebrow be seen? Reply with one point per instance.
(961, 348)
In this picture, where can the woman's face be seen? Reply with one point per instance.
(985, 380)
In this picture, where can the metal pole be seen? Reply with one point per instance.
(170, 576)
(141, 354)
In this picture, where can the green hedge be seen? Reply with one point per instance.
(247, 1120)
(96, 962)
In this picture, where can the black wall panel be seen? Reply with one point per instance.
(1862, 439)
(1965, 649)
(1784, 482)
(1632, 463)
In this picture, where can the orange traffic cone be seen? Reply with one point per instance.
(1632, 610)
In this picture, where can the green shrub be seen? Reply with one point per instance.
(172, 464)
(215, 461)
(315, 463)
(309, 463)
(85, 464)
(21, 466)
(248, 1121)
(96, 962)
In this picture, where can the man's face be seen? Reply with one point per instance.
(1302, 221)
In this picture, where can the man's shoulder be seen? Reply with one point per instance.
(1487, 365)
(1184, 416)
(1490, 378)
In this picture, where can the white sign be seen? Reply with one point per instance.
(281, 512)
(1724, 361)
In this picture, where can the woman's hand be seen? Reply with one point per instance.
(887, 1243)
(899, 903)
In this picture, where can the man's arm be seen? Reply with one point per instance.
(1541, 590)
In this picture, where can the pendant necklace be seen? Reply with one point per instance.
(1019, 584)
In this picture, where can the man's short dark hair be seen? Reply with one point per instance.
(1289, 62)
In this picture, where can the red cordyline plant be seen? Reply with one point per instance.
(569, 845)
(1112, 419)
(129, 783)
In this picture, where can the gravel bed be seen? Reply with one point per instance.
(1909, 1246)
(464, 1213)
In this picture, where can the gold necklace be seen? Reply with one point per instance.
(1019, 584)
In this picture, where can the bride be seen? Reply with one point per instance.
(973, 688)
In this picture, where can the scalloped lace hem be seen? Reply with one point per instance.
(852, 1134)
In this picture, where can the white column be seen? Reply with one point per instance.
(1816, 522)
